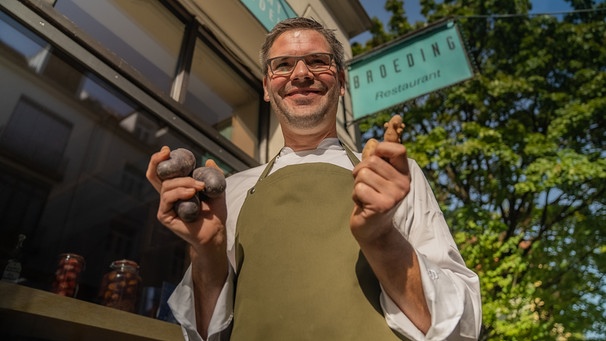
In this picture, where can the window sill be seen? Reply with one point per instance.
(30, 313)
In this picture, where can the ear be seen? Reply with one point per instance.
(265, 92)
(341, 77)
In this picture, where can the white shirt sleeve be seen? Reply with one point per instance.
(452, 290)
(182, 304)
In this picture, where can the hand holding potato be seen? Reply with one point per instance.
(393, 131)
(181, 163)
(207, 223)
(381, 182)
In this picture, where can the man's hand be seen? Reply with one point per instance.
(209, 227)
(206, 235)
(381, 182)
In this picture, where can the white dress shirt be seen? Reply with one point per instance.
(451, 289)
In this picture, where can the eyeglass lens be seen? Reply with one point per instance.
(286, 64)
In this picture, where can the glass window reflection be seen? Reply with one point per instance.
(73, 155)
(220, 97)
(143, 33)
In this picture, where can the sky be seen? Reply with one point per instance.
(375, 8)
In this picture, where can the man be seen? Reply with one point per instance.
(311, 263)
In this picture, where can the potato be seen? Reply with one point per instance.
(214, 181)
(181, 163)
(188, 210)
(393, 131)
(369, 148)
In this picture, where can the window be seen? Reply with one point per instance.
(143, 33)
(220, 97)
(73, 154)
(36, 135)
(151, 38)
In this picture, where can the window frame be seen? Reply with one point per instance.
(42, 19)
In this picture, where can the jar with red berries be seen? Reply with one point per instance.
(120, 286)
(67, 275)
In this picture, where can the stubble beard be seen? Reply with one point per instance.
(308, 120)
(305, 117)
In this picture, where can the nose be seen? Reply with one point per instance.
(301, 70)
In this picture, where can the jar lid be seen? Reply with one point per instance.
(124, 263)
(69, 255)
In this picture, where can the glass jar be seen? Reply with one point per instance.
(67, 275)
(120, 286)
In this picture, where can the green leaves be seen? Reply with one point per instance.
(517, 159)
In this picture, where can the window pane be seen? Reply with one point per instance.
(221, 98)
(143, 33)
(73, 156)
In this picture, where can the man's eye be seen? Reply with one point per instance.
(283, 64)
(317, 61)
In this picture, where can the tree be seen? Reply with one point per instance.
(517, 159)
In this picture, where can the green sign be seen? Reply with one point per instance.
(430, 59)
(269, 12)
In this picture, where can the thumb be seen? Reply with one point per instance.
(213, 164)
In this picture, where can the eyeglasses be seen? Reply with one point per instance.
(285, 65)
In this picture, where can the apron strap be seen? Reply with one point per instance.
(350, 154)
(352, 157)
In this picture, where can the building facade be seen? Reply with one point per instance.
(90, 89)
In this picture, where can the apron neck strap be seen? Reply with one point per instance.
(352, 157)
(350, 154)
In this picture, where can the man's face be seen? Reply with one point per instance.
(303, 99)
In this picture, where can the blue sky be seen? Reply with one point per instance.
(374, 8)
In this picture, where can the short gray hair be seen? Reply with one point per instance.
(307, 24)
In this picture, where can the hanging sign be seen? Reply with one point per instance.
(426, 61)
(269, 12)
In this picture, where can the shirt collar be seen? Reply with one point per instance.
(330, 143)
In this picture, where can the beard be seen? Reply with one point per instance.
(301, 120)
(302, 114)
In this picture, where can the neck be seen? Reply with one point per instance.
(298, 142)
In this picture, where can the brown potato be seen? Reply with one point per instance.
(393, 132)
(214, 181)
(394, 129)
(369, 148)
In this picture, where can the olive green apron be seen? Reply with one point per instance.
(301, 275)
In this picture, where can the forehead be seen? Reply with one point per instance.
(298, 42)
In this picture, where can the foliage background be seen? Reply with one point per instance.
(516, 157)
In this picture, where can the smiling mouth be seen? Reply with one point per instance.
(303, 92)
